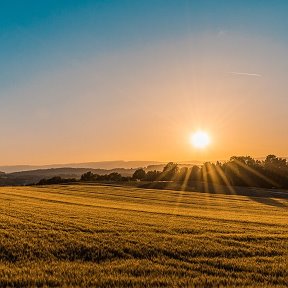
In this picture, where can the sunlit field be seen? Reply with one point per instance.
(104, 236)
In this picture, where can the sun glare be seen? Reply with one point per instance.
(200, 139)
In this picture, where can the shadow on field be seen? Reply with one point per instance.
(264, 196)
(269, 201)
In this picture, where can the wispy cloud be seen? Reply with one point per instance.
(246, 74)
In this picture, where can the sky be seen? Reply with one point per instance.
(132, 79)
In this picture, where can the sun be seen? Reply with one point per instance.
(200, 139)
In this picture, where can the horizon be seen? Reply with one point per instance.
(136, 80)
(153, 162)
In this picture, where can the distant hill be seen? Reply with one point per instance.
(34, 176)
(108, 165)
(31, 176)
(93, 165)
(28, 174)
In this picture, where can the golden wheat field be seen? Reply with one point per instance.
(105, 236)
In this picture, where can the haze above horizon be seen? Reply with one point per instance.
(84, 81)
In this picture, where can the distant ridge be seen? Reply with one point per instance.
(34, 176)
(107, 165)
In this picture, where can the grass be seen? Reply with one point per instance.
(104, 236)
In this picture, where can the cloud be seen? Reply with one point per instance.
(246, 74)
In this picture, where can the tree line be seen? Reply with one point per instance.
(272, 172)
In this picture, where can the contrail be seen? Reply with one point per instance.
(246, 74)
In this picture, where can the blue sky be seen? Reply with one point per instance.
(41, 39)
(37, 35)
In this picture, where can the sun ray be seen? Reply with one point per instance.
(256, 173)
(225, 179)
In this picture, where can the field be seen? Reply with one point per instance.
(105, 236)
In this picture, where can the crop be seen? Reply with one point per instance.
(107, 236)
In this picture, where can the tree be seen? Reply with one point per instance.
(277, 170)
(56, 180)
(182, 174)
(114, 176)
(170, 171)
(273, 162)
(152, 175)
(194, 173)
(88, 176)
(139, 174)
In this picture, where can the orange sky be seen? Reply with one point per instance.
(143, 101)
(152, 99)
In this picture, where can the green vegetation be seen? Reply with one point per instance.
(34, 176)
(105, 236)
(238, 171)
(56, 180)
(272, 172)
(112, 177)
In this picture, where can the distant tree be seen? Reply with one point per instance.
(139, 174)
(153, 175)
(273, 162)
(115, 177)
(170, 171)
(56, 180)
(125, 178)
(247, 160)
(183, 174)
(195, 173)
(238, 171)
(88, 176)
(210, 173)
(277, 170)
